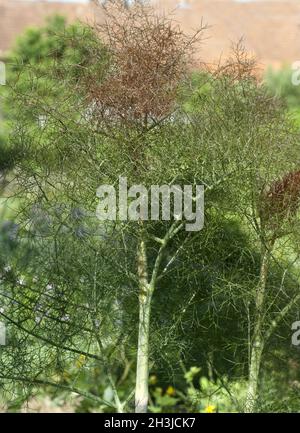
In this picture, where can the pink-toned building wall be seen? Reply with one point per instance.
(271, 28)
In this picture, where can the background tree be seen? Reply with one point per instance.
(74, 287)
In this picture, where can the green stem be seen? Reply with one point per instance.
(142, 369)
(258, 341)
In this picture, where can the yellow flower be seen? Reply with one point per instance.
(210, 409)
(80, 361)
(170, 391)
(152, 380)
